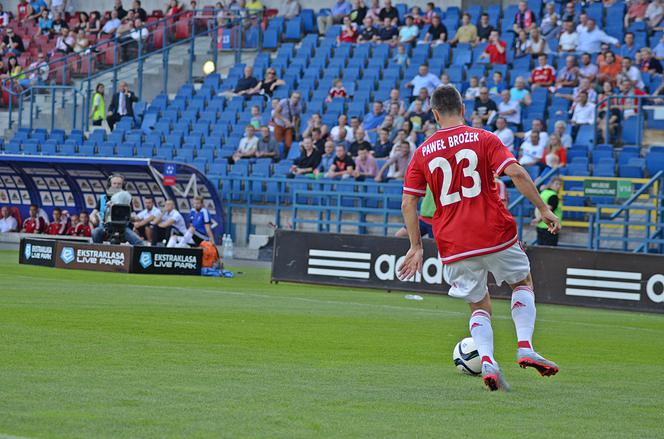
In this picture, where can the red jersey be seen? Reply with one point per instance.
(56, 228)
(543, 75)
(34, 225)
(496, 57)
(459, 164)
(82, 230)
(23, 11)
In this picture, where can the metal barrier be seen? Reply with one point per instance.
(159, 33)
(52, 90)
(635, 227)
(521, 207)
(614, 102)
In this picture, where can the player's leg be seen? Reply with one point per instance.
(468, 281)
(512, 266)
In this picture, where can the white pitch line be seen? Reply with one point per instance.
(9, 436)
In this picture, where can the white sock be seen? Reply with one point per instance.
(523, 315)
(482, 333)
(187, 236)
(172, 241)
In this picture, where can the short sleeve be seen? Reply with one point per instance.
(415, 182)
(499, 156)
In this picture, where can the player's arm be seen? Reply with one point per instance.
(525, 185)
(412, 263)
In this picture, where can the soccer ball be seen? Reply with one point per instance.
(466, 358)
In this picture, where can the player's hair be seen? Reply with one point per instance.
(198, 198)
(57, 209)
(446, 100)
(34, 205)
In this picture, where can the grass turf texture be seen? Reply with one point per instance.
(95, 355)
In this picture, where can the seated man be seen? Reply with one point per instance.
(543, 75)
(531, 150)
(98, 215)
(267, 146)
(369, 33)
(145, 218)
(248, 145)
(308, 161)
(248, 85)
(59, 224)
(342, 166)
(82, 227)
(397, 163)
(7, 221)
(200, 228)
(365, 165)
(485, 107)
(170, 222)
(359, 142)
(34, 223)
(327, 158)
(383, 145)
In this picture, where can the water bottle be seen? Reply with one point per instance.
(224, 246)
(230, 247)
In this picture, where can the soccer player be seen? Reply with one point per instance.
(83, 227)
(199, 230)
(34, 223)
(474, 232)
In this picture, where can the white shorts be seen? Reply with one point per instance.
(468, 277)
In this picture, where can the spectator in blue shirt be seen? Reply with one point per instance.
(327, 158)
(374, 119)
(629, 49)
(340, 9)
(388, 33)
(37, 6)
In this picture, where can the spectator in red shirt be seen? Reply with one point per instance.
(524, 18)
(349, 32)
(496, 49)
(23, 10)
(34, 223)
(556, 148)
(337, 91)
(59, 224)
(543, 75)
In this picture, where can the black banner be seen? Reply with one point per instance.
(37, 252)
(564, 276)
(95, 257)
(164, 260)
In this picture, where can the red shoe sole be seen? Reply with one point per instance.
(543, 369)
(491, 382)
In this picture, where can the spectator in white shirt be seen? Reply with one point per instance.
(248, 144)
(630, 72)
(532, 150)
(4, 17)
(111, 25)
(473, 90)
(583, 113)
(509, 109)
(342, 132)
(505, 134)
(591, 39)
(654, 13)
(65, 42)
(138, 32)
(560, 128)
(569, 39)
(170, 221)
(7, 222)
(145, 218)
(538, 127)
(291, 9)
(409, 32)
(424, 79)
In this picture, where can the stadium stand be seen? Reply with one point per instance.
(204, 123)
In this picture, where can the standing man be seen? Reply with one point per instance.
(551, 198)
(287, 120)
(122, 104)
(474, 232)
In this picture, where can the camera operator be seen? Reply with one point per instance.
(170, 222)
(98, 218)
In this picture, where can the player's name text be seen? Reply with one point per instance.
(452, 141)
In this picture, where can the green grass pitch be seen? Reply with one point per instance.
(97, 355)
